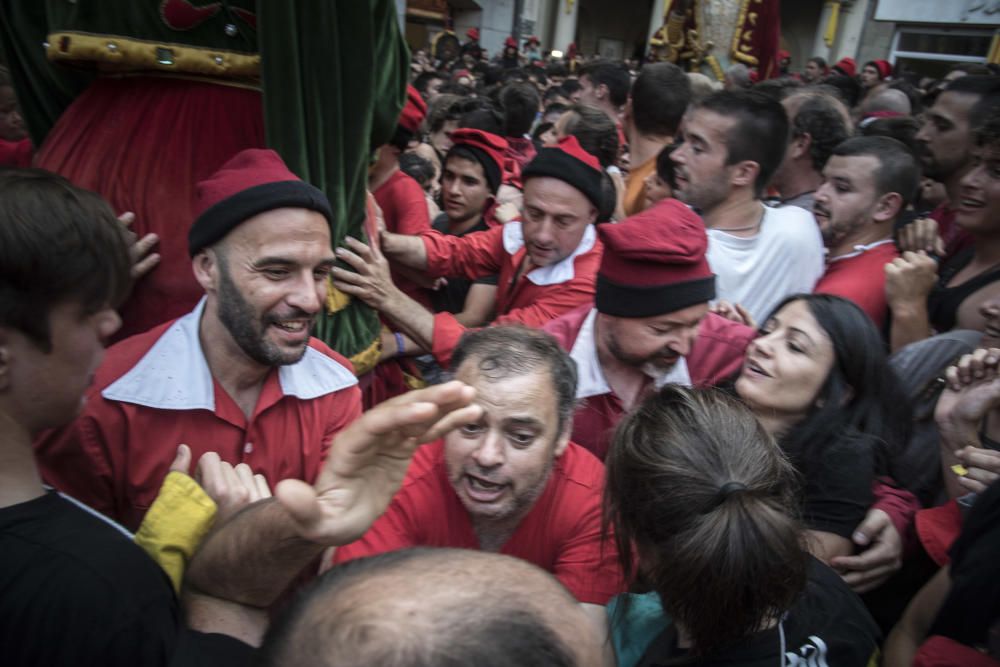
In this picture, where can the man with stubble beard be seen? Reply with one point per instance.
(240, 374)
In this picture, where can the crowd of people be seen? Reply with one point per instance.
(670, 371)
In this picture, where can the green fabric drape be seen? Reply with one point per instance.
(334, 78)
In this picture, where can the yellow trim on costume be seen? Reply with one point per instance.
(831, 24)
(413, 382)
(367, 359)
(114, 52)
(713, 62)
(335, 299)
(994, 57)
(175, 524)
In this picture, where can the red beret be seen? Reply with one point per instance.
(847, 66)
(534, 40)
(414, 110)
(568, 162)
(782, 54)
(252, 182)
(883, 67)
(510, 41)
(488, 149)
(472, 33)
(654, 263)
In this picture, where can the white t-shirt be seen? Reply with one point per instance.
(785, 257)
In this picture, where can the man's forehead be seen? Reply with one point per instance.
(855, 168)
(708, 124)
(504, 388)
(282, 227)
(954, 105)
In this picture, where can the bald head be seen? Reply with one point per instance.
(428, 607)
(888, 99)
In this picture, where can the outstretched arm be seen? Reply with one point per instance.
(251, 559)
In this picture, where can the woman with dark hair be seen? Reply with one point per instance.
(700, 499)
(818, 379)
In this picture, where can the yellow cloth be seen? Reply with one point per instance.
(635, 188)
(175, 524)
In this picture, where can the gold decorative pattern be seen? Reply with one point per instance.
(335, 299)
(367, 359)
(117, 53)
(741, 52)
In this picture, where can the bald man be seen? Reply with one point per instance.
(434, 607)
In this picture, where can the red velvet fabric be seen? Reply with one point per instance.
(143, 143)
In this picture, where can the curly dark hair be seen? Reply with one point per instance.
(820, 118)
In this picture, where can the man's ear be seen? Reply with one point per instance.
(744, 173)
(801, 145)
(563, 442)
(206, 269)
(601, 91)
(887, 207)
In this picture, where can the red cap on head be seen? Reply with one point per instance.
(782, 54)
(883, 67)
(534, 40)
(510, 41)
(472, 33)
(568, 162)
(252, 182)
(654, 263)
(414, 110)
(488, 148)
(847, 66)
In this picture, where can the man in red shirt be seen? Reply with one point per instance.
(546, 262)
(240, 374)
(867, 183)
(650, 324)
(511, 482)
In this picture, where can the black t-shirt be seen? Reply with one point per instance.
(973, 603)
(451, 297)
(837, 484)
(827, 625)
(76, 591)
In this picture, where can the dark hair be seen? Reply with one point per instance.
(847, 87)
(777, 89)
(665, 166)
(988, 132)
(509, 350)
(417, 168)
(975, 69)
(424, 79)
(570, 86)
(820, 62)
(58, 244)
(319, 629)
(555, 91)
(760, 132)
(901, 128)
(5, 77)
(660, 96)
(555, 107)
(860, 401)
(401, 138)
(541, 129)
(700, 497)
(898, 170)
(820, 118)
(557, 69)
(481, 114)
(520, 102)
(613, 75)
(442, 108)
(986, 107)
(596, 132)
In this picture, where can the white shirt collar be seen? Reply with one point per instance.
(859, 250)
(174, 375)
(554, 274)
(590, 376)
